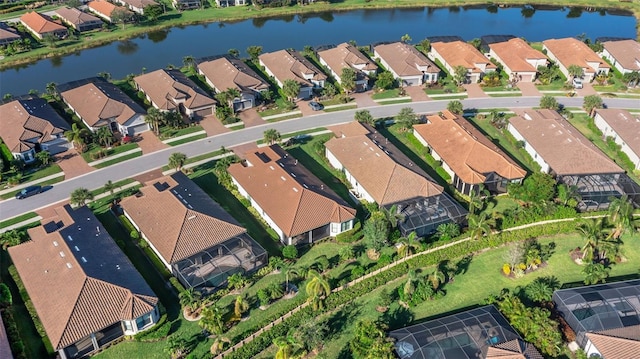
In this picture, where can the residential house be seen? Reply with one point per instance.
(605, 318)
(623, 128)
(405, 62)
(105, 9)
(186, 4)
(294, 202)
(569, 51)
(84, 288)
(136, 6)
(171, 90)
(100, 103)
(41, 25)
(520, 61)
(226, 3)
(28, 126)
(560, 149)
(623, 54)
(8, 34)
(348, 56)
(227, 72)
(77, 19)
(481, 333)
(193, 236)
(459, 53)
(379, 172)
(470, 158)
(291, 65)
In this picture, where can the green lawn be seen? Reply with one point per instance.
(169, 132)
(386, 94)
(188, 139)
(43, 184)
(93, 148)
(18, 219)
(293, 134)
(197, 158)
(117, 185)
(341, 108)
(34, 174)
(118, 160)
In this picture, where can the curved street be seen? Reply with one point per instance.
(95, 179)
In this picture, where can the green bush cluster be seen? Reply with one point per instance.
(27, 302)
(15, 342)
(351, 235)
(176, 284)
(159, 331)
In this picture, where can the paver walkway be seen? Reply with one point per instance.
(363, 99)
(303, 106)
(586, 90)
(474, 91)
(149, 142)
(240, 150)
(72, 164)
(528, 89)
(416, 93)
(213, 126)
(251, 118)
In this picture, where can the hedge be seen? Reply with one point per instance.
(159, 332)
(27, 302)
(351, 235)
(15, 342)
(176, 284)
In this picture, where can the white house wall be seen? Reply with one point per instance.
(530, 150)
(155, 250)
(607, 131)
(364, 195)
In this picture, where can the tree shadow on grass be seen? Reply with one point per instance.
(338, 321)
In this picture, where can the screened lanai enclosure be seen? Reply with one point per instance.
(466, 335)
(423, 215)
(597, 190)
(599, 308)
(210, 268)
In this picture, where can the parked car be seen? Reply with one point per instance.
(577, 83)
(316, 106)
(28, 192)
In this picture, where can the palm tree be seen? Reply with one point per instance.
(568, 194)
(575, 71)
(271, 136)
(240, 307)
(236, 281)
(287, 273)
(51, 90)
(77, 135)
(44, 157)
(392, 215)
(212, 320)
(109, 187)
(477, 199)
(190, 299)
(154, 118)
(595, 273)
(539, 291)
(479, 225)
(288, 348)
(407, 245)
(104, 136)
(177, 160)
(436, 279)
(189, 62)
(591, 231)
(80, 196)
(409, 286)
(219, 343)
(9, 238)
(232, 94)
(317, 289)
(621, 215)
(276, 263)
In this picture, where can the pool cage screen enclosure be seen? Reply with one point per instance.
(423, 215)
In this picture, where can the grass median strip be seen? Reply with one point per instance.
(18, 219)
(43, 184)
(118, 160)
(187, 139)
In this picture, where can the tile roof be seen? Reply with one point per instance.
(570, 51)
(102, 7)
(295, 199)
(562, 146)
(25, 122)
(166, 87)
(179, 218)
(78, 278)
(228, 72)
(380, 168)
(291, 65)
(96, 99)
(140, 4)
(513, 349)
(626, 52)
(40, 23)
(626, 125)
(614, 347)
(346, 55)
(515, 54)
(459, 53)
(465, 149)
(75, 16)
(405, 59)
(8, 33)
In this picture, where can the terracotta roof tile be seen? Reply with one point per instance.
(516, 54)
(346, 55)
(465, 149)
(381, 169)
(42, 24)
(77, 277)
(626, 125)
(291, 65)
(570, 51)
(227, 72)
(140, 4)
(513, 349)
(561, 145)
(405, 59)
(179, 218)
(291, 196)
(164, 87)
(613, 347)
(102, 7)
(459, 53)
(8, 33)
(75, 16)
(626, 52)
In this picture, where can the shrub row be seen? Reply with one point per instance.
(27, 302)
(176, 284)
(351, 235)
(159, 331)
(15, 342)
(12, 9)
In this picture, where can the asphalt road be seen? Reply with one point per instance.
(95, 179)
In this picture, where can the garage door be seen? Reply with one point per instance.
(134, 130)
(57, 146)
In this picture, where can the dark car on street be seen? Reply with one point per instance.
(28, 192)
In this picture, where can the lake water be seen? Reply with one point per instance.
(157, 50)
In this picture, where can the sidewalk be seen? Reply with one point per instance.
(27, 184)
(192, 134)
(109, 158)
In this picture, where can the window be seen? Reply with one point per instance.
(143, 321)
(335, 227)
(345, 226)
(127, 326)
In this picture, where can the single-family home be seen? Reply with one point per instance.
(194, 237)
(379, 172)
(8, 34)
(227, 72)
(100, 103)
(569, 51)
(481, 333)
(31, 125)
(623, 128)
(348, 56)
(226, 3)
(459, 53)
(41, 25)
(77, 19)
(186, 4)
(604, 317)
(520, 61)
(84, 288)
(291, 65)
(470, 158)
(561, 150)
(293, 201)
(171, 90)
(623, 54)
(105, 9)
(136, 6)
(406, 63)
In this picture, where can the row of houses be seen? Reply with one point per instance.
(605, 319)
